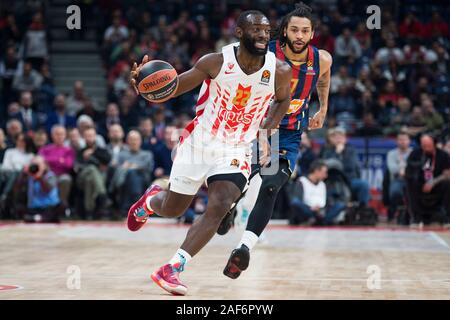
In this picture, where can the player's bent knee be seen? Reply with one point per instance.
(216, 210)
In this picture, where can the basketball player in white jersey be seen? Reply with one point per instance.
(238, 85)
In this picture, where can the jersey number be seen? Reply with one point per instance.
(294, 83)
(242, 96)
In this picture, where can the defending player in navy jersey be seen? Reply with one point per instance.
(310, 69)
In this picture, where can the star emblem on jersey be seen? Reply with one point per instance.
(265, 76)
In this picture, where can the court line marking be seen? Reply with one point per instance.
(277, 226)
(34, 276)
(438, 239)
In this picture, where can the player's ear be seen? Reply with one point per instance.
(285, 31)
(312, 34)
(238, 32)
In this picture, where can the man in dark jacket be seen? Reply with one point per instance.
(428, 181)
(91, 165)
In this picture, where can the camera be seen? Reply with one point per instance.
(34, 168)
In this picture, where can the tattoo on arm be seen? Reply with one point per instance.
(323, 89)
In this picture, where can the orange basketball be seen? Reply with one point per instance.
(157, 81)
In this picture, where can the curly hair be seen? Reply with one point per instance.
(301, 10)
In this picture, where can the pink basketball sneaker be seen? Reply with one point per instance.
(167, 277)
(139, 213)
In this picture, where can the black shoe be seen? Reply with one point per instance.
(227, 223)
(238, 262)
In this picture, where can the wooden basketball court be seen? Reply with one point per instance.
(295, 263)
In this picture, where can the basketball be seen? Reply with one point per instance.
(157, 81)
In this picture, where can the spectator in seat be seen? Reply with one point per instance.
(389, 52)
(163, 153)
(41, 187)
(60, 116)
(434, 121)
(411, 27)
(324, 39)
(226, 38)
(35, 43)
(77, 100)
(437, 27)
(84, 123)
(115, 145)
(340, 150)
(307, 155)
(147, 134)
(347, 49)
(428, 182)
(8, 68)
(40, 138)
(28, 79)
(14, 160)
(26, 115)
(134, 166)
(310, 200)
(115, 33)
(91, 165)
(396, 165)
(112, 116)
(13, 129)
(60, 160)
(74, 140)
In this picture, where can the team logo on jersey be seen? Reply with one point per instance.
(310, 70)
(235, 163)
(230, 67)
(295, 105)
(265, 76)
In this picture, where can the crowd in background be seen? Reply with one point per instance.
(96, 160)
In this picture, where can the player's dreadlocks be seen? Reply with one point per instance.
(301, 10)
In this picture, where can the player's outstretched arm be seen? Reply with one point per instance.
(282, 99)
(323, 90)
(208, 67)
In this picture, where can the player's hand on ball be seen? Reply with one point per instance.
(316, 122)
(135, 73)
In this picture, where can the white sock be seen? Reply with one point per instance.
(249, 239)
(180, 259)
(147, 202)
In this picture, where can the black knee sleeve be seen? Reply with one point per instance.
(268, 192)
(271, 184)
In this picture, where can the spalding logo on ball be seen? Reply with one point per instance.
(157, 81)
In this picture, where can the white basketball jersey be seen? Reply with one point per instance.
(232, 106)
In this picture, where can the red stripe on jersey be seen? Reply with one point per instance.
(279, 53)
(205, 95)
(306, 87)
(188, 130)
(191, 125)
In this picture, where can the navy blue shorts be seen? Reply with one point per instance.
(289, 146)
